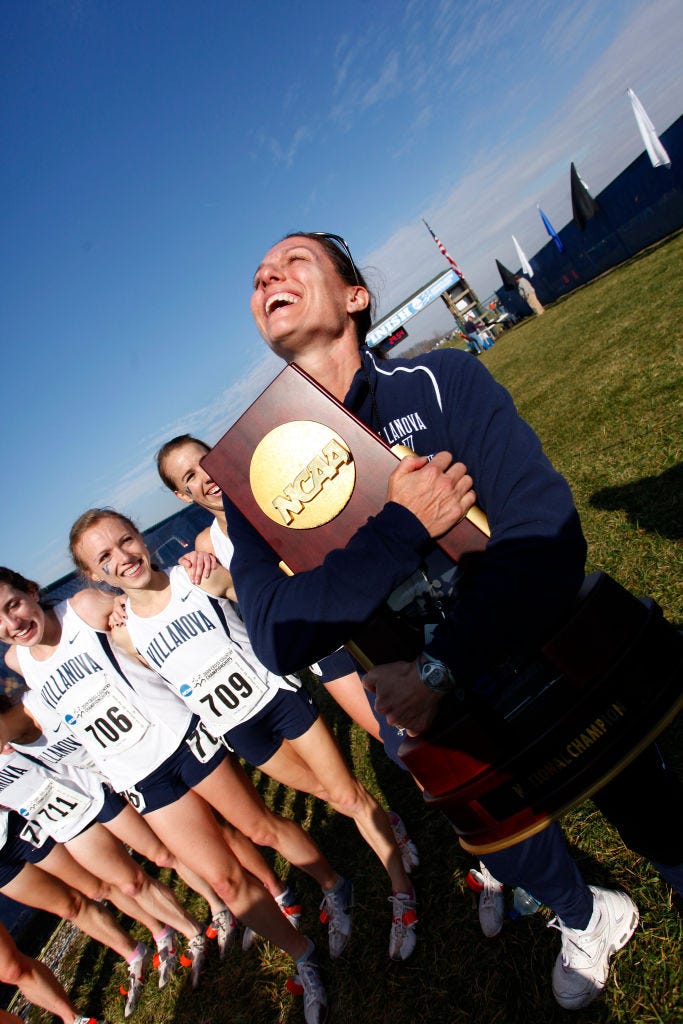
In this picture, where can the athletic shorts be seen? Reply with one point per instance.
(340, 664)
(335, 665)
(195, 759)
(113, 804)
(391, 737)
(17, 851)
(289, 715)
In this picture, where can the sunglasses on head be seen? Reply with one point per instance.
(341, 244)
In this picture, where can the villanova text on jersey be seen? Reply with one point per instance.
(176, 633)
(67, 675)
(402, 429)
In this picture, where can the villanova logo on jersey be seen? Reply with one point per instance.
(70, 720)
(185, 690)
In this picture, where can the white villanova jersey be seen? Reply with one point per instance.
(61, 805)
(56, 748)
(201, 648)
(222, 545)
(112, 704)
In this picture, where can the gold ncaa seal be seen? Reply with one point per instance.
(302, 474)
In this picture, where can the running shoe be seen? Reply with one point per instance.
(336, 911)
(491, 904)
(403, 938)
(166, 957)
(194, 957)
(290, 907)
(136, 980)
(248, 939)
(409, 854)
(309, 984)
(581, 969)
(88, 1020)
(223, 928)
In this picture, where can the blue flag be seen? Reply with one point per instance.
(551, 230)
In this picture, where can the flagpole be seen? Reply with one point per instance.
(465, 283)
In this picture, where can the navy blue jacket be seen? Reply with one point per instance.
(510, 598)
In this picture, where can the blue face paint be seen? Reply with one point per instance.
(105, 568)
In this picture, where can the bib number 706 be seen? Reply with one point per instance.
(108, 728)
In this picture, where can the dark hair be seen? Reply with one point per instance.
(26, 586)
(5, 703)
(168, 449)
(16, 580)
(91, 518)
(348, 272)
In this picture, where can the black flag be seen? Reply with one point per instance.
(508, 278)
(583, 205)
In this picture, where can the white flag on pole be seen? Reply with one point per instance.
(526, 266)
(655, 150)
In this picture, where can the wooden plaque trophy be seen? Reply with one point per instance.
(307, 474)
(307, 484)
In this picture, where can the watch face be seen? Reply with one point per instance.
(436, 676)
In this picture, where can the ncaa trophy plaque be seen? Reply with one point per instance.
(307, 474)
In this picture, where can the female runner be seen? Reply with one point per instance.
(46, 877)
(148, 745)
(59, 752)
(192, 637)
(69, 805)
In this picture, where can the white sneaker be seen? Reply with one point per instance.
(581, 969)
(308, 983)
(336, 911)
(136, 979)
(403, 938)
(223, 928)
(194, 957)
(166, 959)
(287, 902)
(409, 854)
(491, 904)
(289, 905)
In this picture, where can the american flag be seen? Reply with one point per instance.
(444, 251)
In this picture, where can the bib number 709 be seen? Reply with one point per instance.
(223, 694)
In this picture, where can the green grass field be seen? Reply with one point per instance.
(599, 378)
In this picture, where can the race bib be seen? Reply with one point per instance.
(135, 799)
(55, 807)
(225, 692)
(34, 834)
(106, 723)
(202, 744)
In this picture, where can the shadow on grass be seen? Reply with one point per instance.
(653, 503)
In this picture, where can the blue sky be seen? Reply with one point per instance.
(151, 152)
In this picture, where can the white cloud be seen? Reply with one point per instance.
(284, 152)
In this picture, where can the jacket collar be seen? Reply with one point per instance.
(358, 397)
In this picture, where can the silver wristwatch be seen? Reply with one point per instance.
(435, 674)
